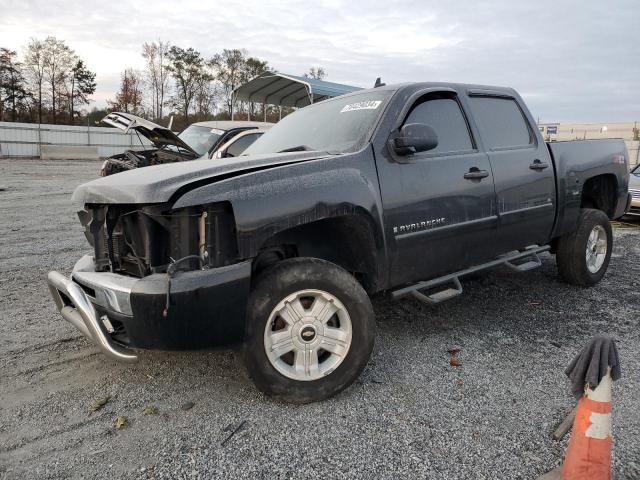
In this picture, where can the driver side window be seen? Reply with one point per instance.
(446, 118)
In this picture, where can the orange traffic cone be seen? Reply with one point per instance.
(589, 452)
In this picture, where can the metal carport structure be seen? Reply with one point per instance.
(286, 90)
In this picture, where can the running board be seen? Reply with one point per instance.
(529, 254)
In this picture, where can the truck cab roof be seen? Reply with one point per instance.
(415, 86)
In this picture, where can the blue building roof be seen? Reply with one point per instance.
(289, 90)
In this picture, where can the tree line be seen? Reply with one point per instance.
(50, 83)
(182, 83)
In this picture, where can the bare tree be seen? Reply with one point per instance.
(35, 61)
(230, 72)
(57, 64)
(205, 97)
(155, 54)
(188, 69)
(129, 97)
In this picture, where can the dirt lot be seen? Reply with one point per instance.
(411, 414)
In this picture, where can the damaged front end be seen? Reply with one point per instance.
(143, 240)
(158, 278)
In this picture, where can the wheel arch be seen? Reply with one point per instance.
(599, 192)
(349, 240)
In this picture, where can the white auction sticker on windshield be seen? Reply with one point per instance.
(217, 131)
(368, 105)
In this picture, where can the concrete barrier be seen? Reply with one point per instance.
(64, 152)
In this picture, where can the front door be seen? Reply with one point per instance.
(440, 213)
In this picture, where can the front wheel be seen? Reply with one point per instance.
(310, 330)
(583, 255)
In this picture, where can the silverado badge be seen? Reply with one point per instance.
(413, 227)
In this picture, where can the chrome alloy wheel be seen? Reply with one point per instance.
(596, 248)
(308, 335)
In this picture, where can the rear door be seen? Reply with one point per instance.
(439, 205)
(522, 170)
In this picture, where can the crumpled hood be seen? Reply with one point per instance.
(158, 183)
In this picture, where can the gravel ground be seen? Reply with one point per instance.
(410, 415)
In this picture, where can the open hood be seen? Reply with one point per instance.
(159, 136)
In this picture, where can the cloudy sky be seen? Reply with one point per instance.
(571, 60)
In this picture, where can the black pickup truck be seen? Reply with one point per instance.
(402, 188)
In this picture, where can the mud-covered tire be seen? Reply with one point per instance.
(278, 288)
(574, 264)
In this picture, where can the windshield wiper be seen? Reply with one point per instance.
(297, 148)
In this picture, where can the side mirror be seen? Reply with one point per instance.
(415, 137)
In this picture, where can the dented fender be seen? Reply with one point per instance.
(270, 201)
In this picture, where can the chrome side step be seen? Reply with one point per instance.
(530, 255)
(77, 309)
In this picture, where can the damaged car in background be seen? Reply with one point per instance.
(198, 140)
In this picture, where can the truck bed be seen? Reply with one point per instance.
(575, 161)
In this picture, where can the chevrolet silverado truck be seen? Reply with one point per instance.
(401, 189)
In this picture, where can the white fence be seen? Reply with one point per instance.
(27, 139)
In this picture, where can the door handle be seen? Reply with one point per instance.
(475, 173)
(538, 165)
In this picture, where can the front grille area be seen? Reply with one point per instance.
(635, 193)
(141, 240)
(132, 240)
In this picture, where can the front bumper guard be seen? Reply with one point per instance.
(75, 307)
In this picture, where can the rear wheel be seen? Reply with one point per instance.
(310, 330)
(583, 255)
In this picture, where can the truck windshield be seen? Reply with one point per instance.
(201, 139)
(338, 125)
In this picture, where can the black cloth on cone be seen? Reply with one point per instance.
(590, 365)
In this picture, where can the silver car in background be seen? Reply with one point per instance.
(634, 190)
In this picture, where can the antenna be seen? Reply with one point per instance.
(378, 83)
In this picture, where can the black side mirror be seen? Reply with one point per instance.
(415, 137)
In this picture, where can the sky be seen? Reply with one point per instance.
(572, 61)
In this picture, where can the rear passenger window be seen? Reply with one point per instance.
(446, 118)
(501, 122)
